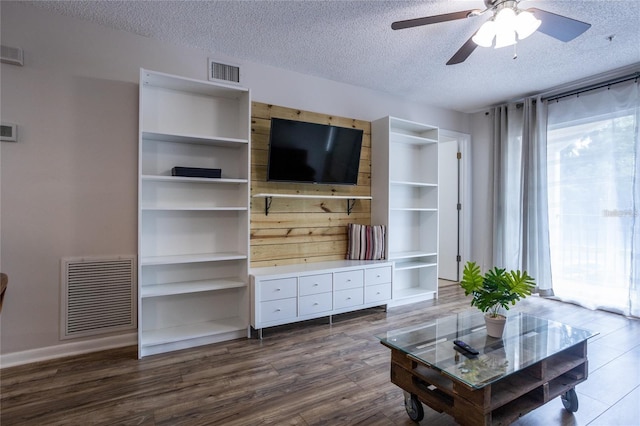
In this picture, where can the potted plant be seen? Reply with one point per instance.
(493, 290)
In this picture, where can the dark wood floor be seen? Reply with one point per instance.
(312, 373)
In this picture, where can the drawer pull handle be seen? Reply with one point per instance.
(348, 298)
(378, 276)
(349, 280)
(277, 289)
(377, 293)
(315, 284)
(315, 304)
(278, 310)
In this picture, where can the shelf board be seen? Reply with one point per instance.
(417, 184)
(191, 331)
(339, 197)
(410, 126)
(406, 131)
(166, 81)
(407, 293)
(165, 178)
(190, 287)
(191, 258)
(315, 268)
(411, 139)
(194, 139)
(351, 199)
(412, 209)
(190, 208)
(402, 266)
(398, 255)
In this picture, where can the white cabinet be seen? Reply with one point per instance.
(404, 186)
(193, 233)
(285, 294)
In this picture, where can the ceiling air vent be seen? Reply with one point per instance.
(11, 55)
(224, 72)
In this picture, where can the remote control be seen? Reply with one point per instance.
(465, 347)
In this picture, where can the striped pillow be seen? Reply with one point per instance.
(366, 242)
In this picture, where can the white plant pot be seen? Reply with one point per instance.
(495, 325)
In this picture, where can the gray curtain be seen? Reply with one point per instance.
(520, 213)
(634, 279)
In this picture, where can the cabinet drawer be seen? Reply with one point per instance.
(314, 284)
(275, 310)
(377, 293)
(314, 303)
(377, 275)
(350, 297)
(349, 279)
(278, 289)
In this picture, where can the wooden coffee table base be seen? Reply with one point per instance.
(498, 403)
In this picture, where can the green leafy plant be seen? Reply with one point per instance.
(496, 288)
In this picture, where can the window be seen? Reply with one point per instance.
(592, 140)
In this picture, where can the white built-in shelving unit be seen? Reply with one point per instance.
(404, 187)
(193, 233)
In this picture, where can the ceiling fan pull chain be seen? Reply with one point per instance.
(515, 51)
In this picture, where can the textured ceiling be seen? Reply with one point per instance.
(352, 42)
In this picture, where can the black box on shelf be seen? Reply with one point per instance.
(196, 172)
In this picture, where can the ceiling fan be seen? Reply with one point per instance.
(507, 22)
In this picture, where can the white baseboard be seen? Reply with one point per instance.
(67, 349)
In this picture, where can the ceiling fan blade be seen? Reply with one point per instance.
(463, 53)
(416, 22)
(558, 26)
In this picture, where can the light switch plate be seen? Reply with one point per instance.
(8, 132)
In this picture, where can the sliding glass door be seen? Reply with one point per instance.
(592, 169)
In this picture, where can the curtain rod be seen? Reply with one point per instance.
(634, 76)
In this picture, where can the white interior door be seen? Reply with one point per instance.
(448, 211)
(453, 223)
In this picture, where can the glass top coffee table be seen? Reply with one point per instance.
(535, 361)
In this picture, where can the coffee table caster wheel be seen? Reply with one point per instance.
(570, 400)
(414, 407)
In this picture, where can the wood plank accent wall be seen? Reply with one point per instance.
(302, 230)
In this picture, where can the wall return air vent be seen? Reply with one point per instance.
(98, 295)
(223, 72)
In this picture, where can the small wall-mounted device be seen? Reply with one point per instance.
(11, 55)
(8, 132)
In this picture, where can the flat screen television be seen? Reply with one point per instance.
(313, 153)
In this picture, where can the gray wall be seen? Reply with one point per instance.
(69, 186)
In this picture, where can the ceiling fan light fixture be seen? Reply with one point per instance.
(484, 36)
(508, 25)
(505, 38)
(526, 24)
(505, 19)
(505, 27)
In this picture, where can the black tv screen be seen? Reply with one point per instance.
(313, 153)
